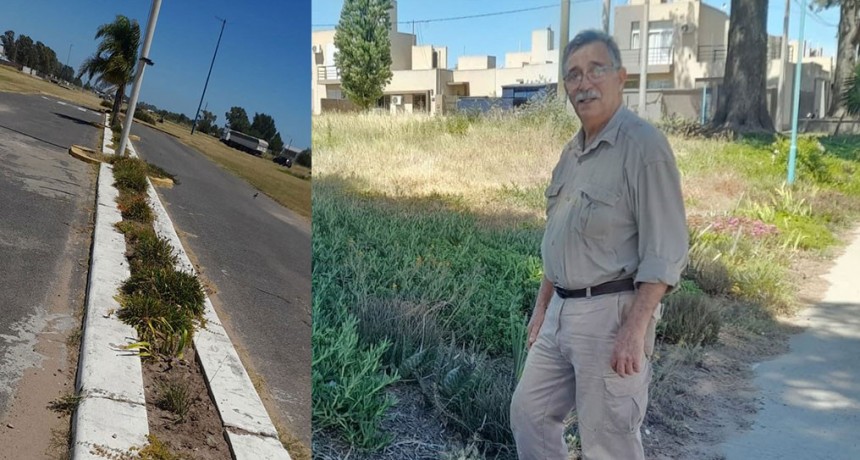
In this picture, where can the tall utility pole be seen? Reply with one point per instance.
(194, 125)
(783, 55)
(607, 5)
(69, 56)
(643, 60)
(563, 38)
(141, 66)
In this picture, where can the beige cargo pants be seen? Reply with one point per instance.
(568, 367)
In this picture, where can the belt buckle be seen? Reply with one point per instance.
(588, 292)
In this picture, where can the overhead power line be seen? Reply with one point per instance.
(472, 16)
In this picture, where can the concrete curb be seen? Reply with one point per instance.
(250, 432)
(112, 413)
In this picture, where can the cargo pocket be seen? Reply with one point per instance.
(626, 400)
(596, 211)
(552, 194)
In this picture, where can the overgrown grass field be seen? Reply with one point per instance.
(426, 256)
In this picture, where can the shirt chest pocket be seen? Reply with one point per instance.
(595, 211)
(552, 194)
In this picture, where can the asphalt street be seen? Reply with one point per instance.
(256, 256)
(46, 201)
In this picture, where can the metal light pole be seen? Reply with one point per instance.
(563, 38)
(792, 151)
(70, 54)
(197, 115)
(141, 66)
(643, 60)
(783, 60)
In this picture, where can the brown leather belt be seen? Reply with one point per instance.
(601, 289)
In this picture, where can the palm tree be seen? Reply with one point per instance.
(115, 57)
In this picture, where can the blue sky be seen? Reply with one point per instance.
(496, 35)
(262, 64)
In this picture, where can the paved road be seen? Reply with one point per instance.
(811, 395)
(46, 200)
(257, 256)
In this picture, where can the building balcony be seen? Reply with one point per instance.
(660, 59)
(711, 53)
(328, 74)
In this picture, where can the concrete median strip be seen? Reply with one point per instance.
(112, 413)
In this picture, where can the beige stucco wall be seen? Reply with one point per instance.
(401, 50)
(488, 83)
(476, 62)
(422, 57)
(517, 59)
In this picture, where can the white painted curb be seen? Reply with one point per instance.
(108, 138)
(112, 413)
(250, 431)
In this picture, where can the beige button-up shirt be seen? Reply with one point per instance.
(615, 209)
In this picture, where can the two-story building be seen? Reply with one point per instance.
(687, 44)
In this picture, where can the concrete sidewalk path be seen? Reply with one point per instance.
(811, 395)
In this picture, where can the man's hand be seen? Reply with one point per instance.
(630, 341)
(534, 325)
(543, 297)
(628, 351)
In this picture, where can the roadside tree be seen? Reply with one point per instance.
(115, 57)
(363, 55)
(743, 105)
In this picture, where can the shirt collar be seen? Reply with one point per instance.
(609, 133)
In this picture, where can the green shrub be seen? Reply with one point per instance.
(144, 116)
(129, 174)
(680, 126)
(690, 318)
(180, 290)
(349, 385)
(107, 104)
(134, 207)
(473, 394)
(809, 156)
(708, 272)
(153, 252)
(162, 328)
(304, 159)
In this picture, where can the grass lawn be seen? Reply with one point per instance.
(427, 261)
(14, 81)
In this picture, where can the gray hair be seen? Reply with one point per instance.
(588, 37)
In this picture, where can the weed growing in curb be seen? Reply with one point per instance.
(65, 404)
(175, 397)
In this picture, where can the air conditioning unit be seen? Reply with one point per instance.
(396, 100)
(317, 49)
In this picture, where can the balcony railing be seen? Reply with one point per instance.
(328, 73)
(711, 53)
(656, 56)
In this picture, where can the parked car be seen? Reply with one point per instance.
(284, 161)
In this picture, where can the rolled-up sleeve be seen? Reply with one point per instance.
(662, 222)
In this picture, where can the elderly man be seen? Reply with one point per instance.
(615, 242)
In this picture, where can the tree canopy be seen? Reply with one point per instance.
(363, 55)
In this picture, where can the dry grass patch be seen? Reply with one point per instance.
(287, 189)
(420, 156)
(14, 81)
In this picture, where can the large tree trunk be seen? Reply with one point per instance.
(743, 104)
(845, 53)
(117, 103)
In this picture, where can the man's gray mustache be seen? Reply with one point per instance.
(590, 94)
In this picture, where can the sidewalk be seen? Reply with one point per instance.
(811, 395)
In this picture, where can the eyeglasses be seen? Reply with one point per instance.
(594, 74)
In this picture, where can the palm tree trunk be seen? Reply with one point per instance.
(117, 103)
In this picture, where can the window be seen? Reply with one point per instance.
(660, 37)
